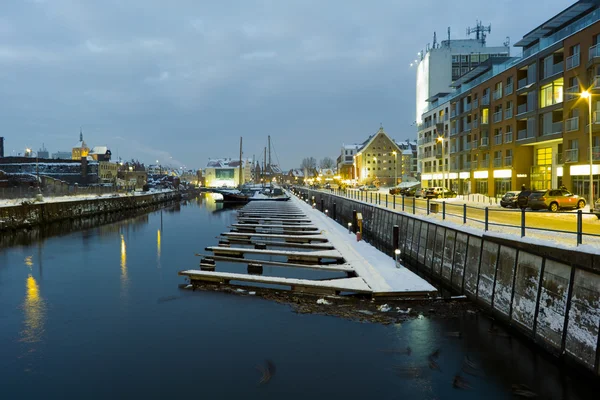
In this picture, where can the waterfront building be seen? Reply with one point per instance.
(345, 161)
(43, 152)
(224, 172)
(376, 160)
(1, 146)
(100, 153)
(80, 149)
(108, 171)
(522, 120)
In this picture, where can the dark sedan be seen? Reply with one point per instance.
(509, 199)
(523, 198)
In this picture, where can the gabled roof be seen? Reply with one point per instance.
(372, 138)
(99, 150)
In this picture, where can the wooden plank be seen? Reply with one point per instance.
(334, 268)
(273, 226)
(329, 254)
(313, 246)
(290, 237)
(355, 284)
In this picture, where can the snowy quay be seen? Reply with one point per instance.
(544, 291)
(293, 235)
(28, 215)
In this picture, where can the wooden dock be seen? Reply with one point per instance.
(291, 235)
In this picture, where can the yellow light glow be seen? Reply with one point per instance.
(29, 261)
(440, 139)
(394, 152)
(34, 308)
(124, 277)
(585, 94)
(158, 243)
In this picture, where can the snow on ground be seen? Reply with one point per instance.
(376, 268)
(79, 197)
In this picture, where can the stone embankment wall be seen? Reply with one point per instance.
(28, 215)
(549, 294)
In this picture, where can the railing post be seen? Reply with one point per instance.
(522, 222)
(386, 201)
(394, 201)
(464, 213)
(487, 218)
(322, 205)
(354, 221)
(579, 227)
(428, 206)
(371, 196)
(395, 237)
(334, 211)
(414, 207)
(402, 203)
(379, 196)
(443, 210)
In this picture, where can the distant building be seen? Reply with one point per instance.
(43, 152)
(80, 149)
(295, 176)
(223, 172)
(108, 171)
(100, 153)
(61, 155)
(409, 165)
(1, 146)
(376, 160)
(345, 161)
(82, 172)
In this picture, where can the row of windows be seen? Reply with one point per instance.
(384, 168)
(380, 161)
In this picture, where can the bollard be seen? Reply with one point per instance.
(428, 206)
(334, 211)
(395, 236)
(349, 228)
(394, 201)
(464, 213)
(402, 203)
(386, 201)
(354, 221)
(579, 227)
(443, 210)
(371, 196)
(322, 205)
(522, 222)
(414, 206)
(487, 214)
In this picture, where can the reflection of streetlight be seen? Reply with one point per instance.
(588, 96)
(440, 139)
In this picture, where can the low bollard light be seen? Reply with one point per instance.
(326, 212)
(397, 253)
(349, 227)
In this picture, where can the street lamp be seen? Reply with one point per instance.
(440, 139)
(588, 96)
(37, 168)
(395, 167)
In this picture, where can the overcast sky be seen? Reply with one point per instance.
(180, 81)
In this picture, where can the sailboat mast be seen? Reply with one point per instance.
(265, 167)
(241, 174)
(269, 150)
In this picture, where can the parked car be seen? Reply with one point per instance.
(368, 188)
(554, 200)
(437, 192)
(597, 208)
(410, 192)
(523, 199)
(396, 190)
(420, 192)
(509, 199)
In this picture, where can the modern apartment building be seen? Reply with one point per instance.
(522, 121)
(440, 65)
(345, 161)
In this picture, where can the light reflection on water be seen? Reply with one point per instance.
(124, 276)
(158, 244)
(34, 310)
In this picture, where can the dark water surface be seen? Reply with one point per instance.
(97, 314)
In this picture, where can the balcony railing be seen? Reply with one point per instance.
(467, 146)
(467, 128)
(508, 161)
(521, 83)
(572, 93)
(485, 163)
(446, 117)
(596, 153)
(572, 124)
(497, 117)
(553, 70)
(596, 117)
(454, 131)
(474, 165)
(474, 144)
(522, 109)
(475, 123)
(572, 155)
(485, 100)
(498, 139)
(467, 107)
(497, 94)
(596, 84)
(497, 162)
(453, 114)
(552, 129)
(573, 61)
(427, 169)
(467, 165)
(452, 149)
(485, 142)
(508, 137)
(475, 103)
(525, 134)
(509, 89)
(508, 113)
(594, 52)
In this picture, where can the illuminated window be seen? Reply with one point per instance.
(551, 93)
(485, 116)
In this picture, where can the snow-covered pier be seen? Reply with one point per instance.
(310, 241)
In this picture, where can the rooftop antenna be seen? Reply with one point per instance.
(507, 43)
(480, 31)
(448, 36)
(434, 40)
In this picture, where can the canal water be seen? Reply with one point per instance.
(97, 314)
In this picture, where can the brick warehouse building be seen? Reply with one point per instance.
(521, 121)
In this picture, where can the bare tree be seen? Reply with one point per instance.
(327, 163)
(308, 163)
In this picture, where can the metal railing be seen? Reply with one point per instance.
(467, 165)
(524, 134)
(485, 100)
(497, 117)
(498, 94)
(467, 128)
(475, 103)
(596, 117)
(467, 107)
(522, 109)
(509, 89)
(475, 123)
(485, 141)
(498, 139)
(508, 137)
(596, 84)
(467, 146)
(572, 93)
(474, 165)
(474, 144)
(521, 83)
(596, 153)
(497, 162)
(508, 113)
(485, 163)
(454, 131)
(572, 124)
(571, 155)
(452, 149)
(553, 70)
(552, 129)
(594, 52)
(573, 61)
(508, 161)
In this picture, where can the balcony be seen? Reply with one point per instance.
(571, 156)
(427, 169)
(596, 117)
(552, 129)
(521, 83)
(485, 100)
(473, 164)
(508, 113)
(485, 163)
(467, 146)
(467, 127)
(467, 107)
(573, 61)
(596, 153)
(594, 52)
(596, 84)
(498, 139)
(454, 131)
(497, 162)
(452, 149)
(508, 161)
(474, 145)
(475, 103)
(522, 109)
(497, 117)
(555, 69)
(475, 123)
(572, 93)
(498, 94)
(508, 137)
(509, 89)
(467, 165)
(446, 117)
(572, 124)
(524, 134)
(453, 114)
(485, 141)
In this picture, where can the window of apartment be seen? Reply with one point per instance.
(475, 58)
(574, 49)
(464, 70)
(485, 116)
(463, 59)
(509, 81)
(498, 86)
(551, 93)
(455, 59)
(368, 162)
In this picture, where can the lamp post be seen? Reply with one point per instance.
(395, 153)
(37, 168)
(588, 96)
(440, 139)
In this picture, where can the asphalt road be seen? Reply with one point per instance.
(499, 219)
